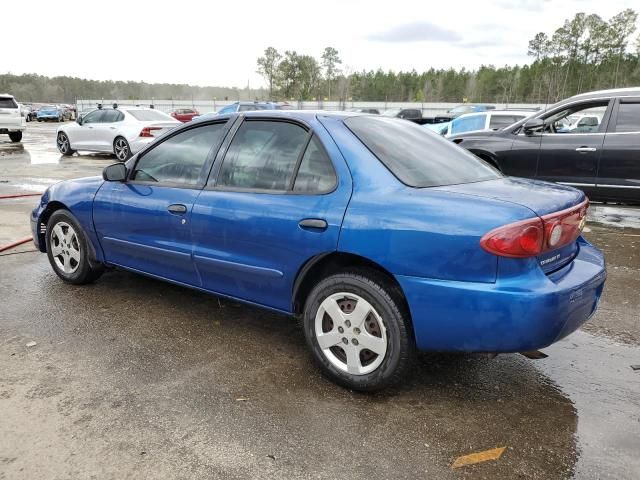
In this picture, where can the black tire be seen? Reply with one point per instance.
(39, 119)
(15, 136)
(400, 347)
(80, 271)
(121, 149)
(64, 145)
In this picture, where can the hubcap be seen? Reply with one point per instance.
(122, 149)
(351, 333)
(65, 247)
(63, 143)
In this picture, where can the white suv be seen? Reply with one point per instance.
(11, 120)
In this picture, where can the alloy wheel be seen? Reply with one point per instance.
(63, 143)
(65, 247)
(121, 148)
(351, 333)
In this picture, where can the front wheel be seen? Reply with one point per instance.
(68, 249)
(64, 145)
(357, 332)
(121, 149)
(15, 136)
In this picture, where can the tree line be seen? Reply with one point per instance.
(585, 53)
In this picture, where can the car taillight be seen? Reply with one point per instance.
(530, 238)
(148, 131)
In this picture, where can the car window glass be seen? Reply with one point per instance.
(417, 157)
(500, 121)
(93, 117)
(228, 109)
(468, 123)
(246, 108)
(628, 117)
(109, 116)
(179, 159)
(150, 115)
(8, 103)
(584, 118)
(262, 156)
(316, 173)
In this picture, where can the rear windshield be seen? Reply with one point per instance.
(149, 115)
(8, 103)
(417, 156)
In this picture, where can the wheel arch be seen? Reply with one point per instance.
(327, 264)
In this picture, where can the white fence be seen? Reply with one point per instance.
(205, 106)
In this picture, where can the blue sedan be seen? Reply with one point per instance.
(383, 238)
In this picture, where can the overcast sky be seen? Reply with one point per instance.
(217, 43)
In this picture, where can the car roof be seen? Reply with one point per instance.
(6, 95)
(300, 115)
(627, 92)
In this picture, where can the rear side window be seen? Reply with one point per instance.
(181, 158)
(628, 117)
(110, 116)
(500, 121)
(316, 173)
(417, 157)
(468, 123)
(149, 115)
(262, 156)
(8, 103)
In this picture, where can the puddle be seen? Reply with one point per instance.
(596, 375)
(615, 215)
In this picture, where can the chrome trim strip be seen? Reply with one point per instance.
(572, 184)
(623, 133)
(618, 186)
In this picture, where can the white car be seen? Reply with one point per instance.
(490, 120)
(122, 131)
(11, 120)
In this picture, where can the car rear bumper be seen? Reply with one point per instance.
(511, 315)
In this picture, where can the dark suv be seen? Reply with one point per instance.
(590, 141)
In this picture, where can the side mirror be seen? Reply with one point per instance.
(115, 173)
(532, 125)
(79, 120)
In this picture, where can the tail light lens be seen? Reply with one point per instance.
(530, 238)
(148, 131)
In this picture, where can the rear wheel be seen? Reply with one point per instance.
(15, 136)
(64, 146)
(67, 249)
(357, 333)
(121, 149)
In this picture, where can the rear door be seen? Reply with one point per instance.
(569, 154)
(276, 198)
(619, 171)
(145, 223)
(9, 113)
(104, 131)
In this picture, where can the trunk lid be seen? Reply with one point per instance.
(542, 198)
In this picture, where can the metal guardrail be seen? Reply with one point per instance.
(205, 106)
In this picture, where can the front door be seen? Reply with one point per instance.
(84, 137)
(145, 223)
(572, 144)
(274, 201)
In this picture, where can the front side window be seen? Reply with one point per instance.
(628, 117)
(316, 173)
(262, 156)
(498, 122)
(181, 158)
(417, 157)
(93, 117)
(583, 118)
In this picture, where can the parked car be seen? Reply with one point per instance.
(414, 115)
(248, 107)
(121, 131)
(51, 112)
(185, 114)
(25, 111)
(373, 111)
(455, 112)
(382, 237)
(441, 128)
(599, 157)
(489, 120)
(12, 123)
(69, 112)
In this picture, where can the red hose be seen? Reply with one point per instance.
(18, 195)
(15, 244)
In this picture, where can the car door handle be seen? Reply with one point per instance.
(313, 224)
(177, 208)
(586, 149)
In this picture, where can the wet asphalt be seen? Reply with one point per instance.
(134, 378)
